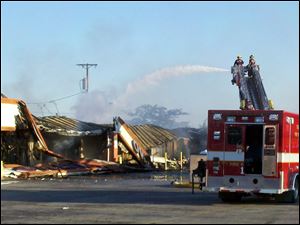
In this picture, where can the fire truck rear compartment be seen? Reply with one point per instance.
(253, 149)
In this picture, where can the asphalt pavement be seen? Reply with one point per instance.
(130, 198)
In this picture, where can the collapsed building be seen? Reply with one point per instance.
(140, 146)
(79, 146)
(149, 146)
(75, 139)
(21, 141)
(25, 153)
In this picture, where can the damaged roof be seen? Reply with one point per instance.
(70, 127)
(15, 115)
(151, 136)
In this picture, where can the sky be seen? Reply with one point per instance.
(173, 54)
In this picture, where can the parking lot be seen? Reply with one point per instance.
(129, 198)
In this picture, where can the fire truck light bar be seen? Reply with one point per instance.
(217, 116)
(259, 119)
(231, 119)
(273, 117)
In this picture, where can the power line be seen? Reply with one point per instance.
(57, 112)
(41, 108)
(54, 100)
(62, 98)
(42, 105)
(47, 108)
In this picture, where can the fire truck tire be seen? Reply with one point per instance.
(296, 191)
(230, 197)
(290, 196)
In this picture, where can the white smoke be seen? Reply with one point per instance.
(95, 106)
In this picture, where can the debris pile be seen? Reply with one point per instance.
(61, 169)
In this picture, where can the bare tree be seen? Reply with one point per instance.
(157, 115)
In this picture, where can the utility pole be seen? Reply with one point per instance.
(87, 66)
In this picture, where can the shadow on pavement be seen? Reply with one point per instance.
(124, 197)
(109, 196)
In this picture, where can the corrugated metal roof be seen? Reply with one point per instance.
(68, 126)
(151, 136)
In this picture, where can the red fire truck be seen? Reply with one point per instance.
(253, 152)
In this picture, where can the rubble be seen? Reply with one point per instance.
(66, 168)
(61, 169)
(148, 145)
(21, 140)
(78, 148)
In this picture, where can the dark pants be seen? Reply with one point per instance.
(201, 176)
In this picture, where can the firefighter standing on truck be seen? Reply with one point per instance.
(237, 79)
(251, 65)
(237, 62)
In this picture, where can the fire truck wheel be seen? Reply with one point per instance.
(296, 191)
(289, 196)
(230, 197)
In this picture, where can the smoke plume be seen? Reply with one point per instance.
(96, 107)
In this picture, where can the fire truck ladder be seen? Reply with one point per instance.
(256, 89)
(251, 88)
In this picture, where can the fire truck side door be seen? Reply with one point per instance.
(270, 146)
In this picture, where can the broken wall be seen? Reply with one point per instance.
(21, 141)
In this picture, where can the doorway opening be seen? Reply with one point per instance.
(254, 147)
